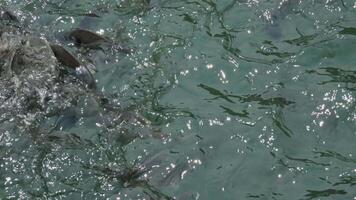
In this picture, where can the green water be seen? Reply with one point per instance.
(241, 105)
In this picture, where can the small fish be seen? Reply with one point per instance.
(64, 57)
(67, 59)
(84, 37)
(92, 40)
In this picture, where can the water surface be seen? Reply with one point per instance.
(246, 99)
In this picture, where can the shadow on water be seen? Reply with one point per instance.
(273, 101)
(337, 75)
(335, 155)
(315, 194)
(64, 165)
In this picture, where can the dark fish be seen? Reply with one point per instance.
(89, 39)
(64, 57)
(67, 59)
(84, 37)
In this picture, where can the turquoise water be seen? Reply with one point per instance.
(244, 99)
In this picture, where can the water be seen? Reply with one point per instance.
(244, 99)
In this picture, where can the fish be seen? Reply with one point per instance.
(40, 76)
(88, 39)
(80, 71)
(41, 79)
(64, 57)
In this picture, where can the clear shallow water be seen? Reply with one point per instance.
(245, 99)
